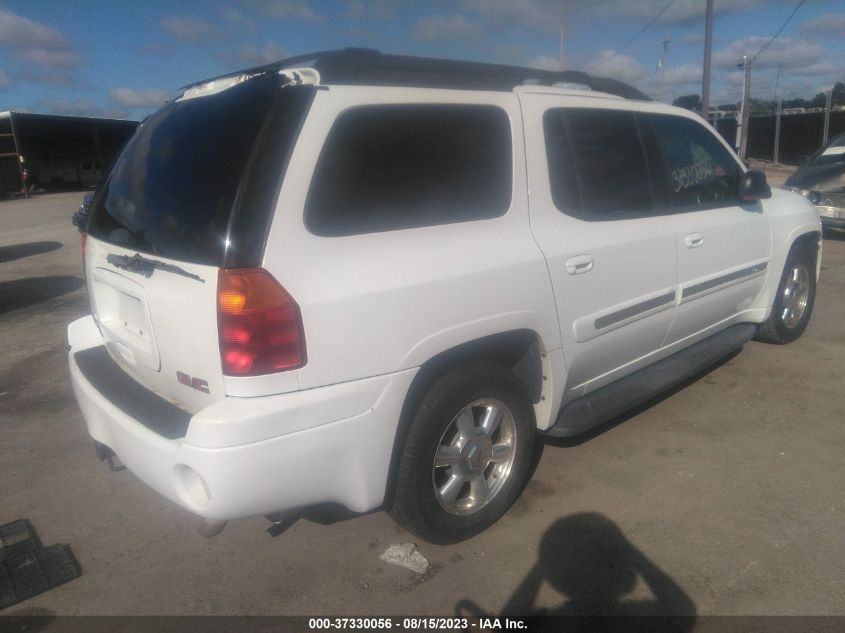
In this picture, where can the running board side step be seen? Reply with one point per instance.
(609, 401)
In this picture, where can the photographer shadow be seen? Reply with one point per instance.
(586, 558)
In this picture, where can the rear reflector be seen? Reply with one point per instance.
(259, 324)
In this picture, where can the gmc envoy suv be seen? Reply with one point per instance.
(378, 281)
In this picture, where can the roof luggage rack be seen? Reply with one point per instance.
(365, 66)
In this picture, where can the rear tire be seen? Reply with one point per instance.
(795, 297)
(467, 456)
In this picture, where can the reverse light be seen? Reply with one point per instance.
(259, 324)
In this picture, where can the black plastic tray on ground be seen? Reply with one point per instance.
(16, 539)
(27, 568)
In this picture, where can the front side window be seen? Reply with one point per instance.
(597, 167)
(698, 170)
(390, 167)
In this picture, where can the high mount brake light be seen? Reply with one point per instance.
(259, 324)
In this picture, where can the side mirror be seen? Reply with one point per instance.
(753, 186)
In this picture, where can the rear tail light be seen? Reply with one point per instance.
(259, 324)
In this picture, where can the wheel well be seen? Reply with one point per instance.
(812, 239)
(518, 350)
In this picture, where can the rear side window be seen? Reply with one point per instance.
(698, 170)
(392, 167)
(597, 167)
(176, 188)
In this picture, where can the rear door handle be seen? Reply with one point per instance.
(579, 264)
(694, 240)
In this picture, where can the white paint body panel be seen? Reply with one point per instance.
(156, 326)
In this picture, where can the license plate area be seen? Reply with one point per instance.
(121, 310)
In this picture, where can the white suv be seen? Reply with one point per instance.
(377, 281)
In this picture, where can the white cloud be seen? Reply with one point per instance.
(238, 20)
(832, 24)
(548, 15)
(254, 56)
(544, 62)
(49, 57)
(285, 9)
(681, 12)
(187, 28)
(46, 76)
(129, 98)
(79, 107)
(434, 27)
(622, 67)
(692, 39)
(538, 14)
(35, 43)
(684, 74)
(786, 52)
(16, 30)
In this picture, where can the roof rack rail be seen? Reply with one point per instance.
(358, 66)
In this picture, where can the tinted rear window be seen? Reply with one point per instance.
(174, 187)
(402, 166)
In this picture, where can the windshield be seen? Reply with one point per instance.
(174, 189)
(833, 153)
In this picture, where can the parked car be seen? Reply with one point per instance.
(80, 217)
(821, 179)
(379, 281)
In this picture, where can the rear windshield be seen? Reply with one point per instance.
(176, 188)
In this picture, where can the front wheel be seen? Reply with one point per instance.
(796, 295)
(467, 456)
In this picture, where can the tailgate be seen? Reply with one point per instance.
(161, 328)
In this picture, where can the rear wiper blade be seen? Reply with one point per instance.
(146, 267)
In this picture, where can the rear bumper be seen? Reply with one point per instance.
(321, 457)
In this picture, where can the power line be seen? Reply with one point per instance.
(783, 26)
(641, 31)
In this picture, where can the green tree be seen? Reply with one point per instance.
(761, 106)
(690, 102)
(819, 101)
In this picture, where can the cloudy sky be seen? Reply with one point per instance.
(122, 59)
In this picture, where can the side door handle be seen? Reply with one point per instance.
(579, 264)
(694, 240)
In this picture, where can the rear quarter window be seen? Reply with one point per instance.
(391, 167)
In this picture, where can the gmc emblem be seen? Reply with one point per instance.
(194, 383)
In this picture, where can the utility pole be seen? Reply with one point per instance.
(662, 65)
(827, 116)
(778, 112)
(776, 157)
(708, 46)
(745, 111)
(561, 47)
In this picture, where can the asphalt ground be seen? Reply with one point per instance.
(725, 497)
